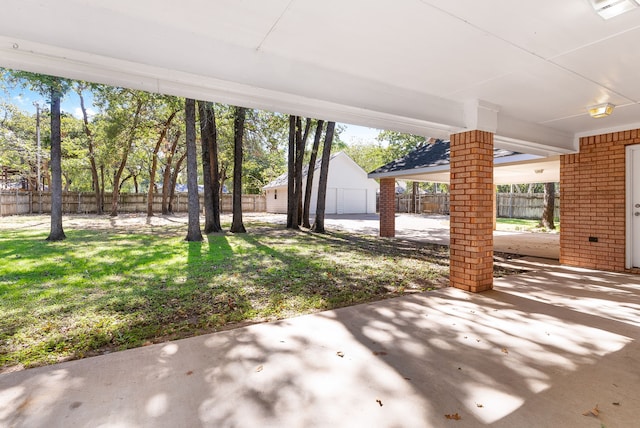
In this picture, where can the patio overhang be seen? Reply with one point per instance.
(431, 68)
(516, 169)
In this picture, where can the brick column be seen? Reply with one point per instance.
(388, 207)
(471, 208)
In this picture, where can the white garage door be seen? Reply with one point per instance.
(331, 206)
(355, 201)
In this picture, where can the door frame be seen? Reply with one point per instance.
(629, 204)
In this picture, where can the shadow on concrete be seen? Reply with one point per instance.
(540, 350)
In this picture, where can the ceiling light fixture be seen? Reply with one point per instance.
(610, 8)
(600, 110)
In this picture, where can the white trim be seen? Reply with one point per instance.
(516, 158)
(529, 147)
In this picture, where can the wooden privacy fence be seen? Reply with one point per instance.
(20, 202)
(510, 205)
(523, 205)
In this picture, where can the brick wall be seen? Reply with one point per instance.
(471, 209)
(388, 207)
(592, 202)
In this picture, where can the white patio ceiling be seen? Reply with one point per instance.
(525, 70)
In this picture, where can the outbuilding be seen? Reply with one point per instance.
(349, 190)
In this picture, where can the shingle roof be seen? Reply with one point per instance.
(428, 156)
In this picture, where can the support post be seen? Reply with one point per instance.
(471, 207)
(388, 207)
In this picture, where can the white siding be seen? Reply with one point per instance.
(349, 190)
(277, 200)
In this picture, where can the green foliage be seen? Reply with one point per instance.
(369, 156)
(399, 144)
(114, 134)
(41, 83)
(18, 139)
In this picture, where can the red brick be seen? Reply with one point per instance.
(472, 226)
(592, 203)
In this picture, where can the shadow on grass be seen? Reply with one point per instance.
(103, 290)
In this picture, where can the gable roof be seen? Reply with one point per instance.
(431, 155)
(283, 179)
(431, 162)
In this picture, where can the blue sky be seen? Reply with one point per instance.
(359, 134)
(25, 99)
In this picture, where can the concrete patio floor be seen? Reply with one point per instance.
(540, 350)
(434, 228)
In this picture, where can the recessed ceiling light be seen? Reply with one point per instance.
(600, 110)
(609, 8)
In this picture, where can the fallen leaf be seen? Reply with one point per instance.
(259, 368)
(379, 402)
(455, 417)
(340, 354)
(189, 373)
(504, 350)
(593, 412)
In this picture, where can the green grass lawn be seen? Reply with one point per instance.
(524, 225)
(110, 287)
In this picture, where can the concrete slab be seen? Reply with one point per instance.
(540, 350)
(434, 228)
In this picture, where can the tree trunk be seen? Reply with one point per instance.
(67, 182)
(291, 165)
(123, 181)
(310, 174)
(167, 187)
(154, 162)
(56, 233)
(414, 197)
(92, 157)
(301, 143)
(318, 225)
(223, 178)
(210, 175)
(123, 161)
(193, 230)
(206, 169)
(101, 188)
(549, 206)
(216, 187)
(237, 225)
(172, 182)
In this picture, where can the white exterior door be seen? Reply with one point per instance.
(633, 206)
